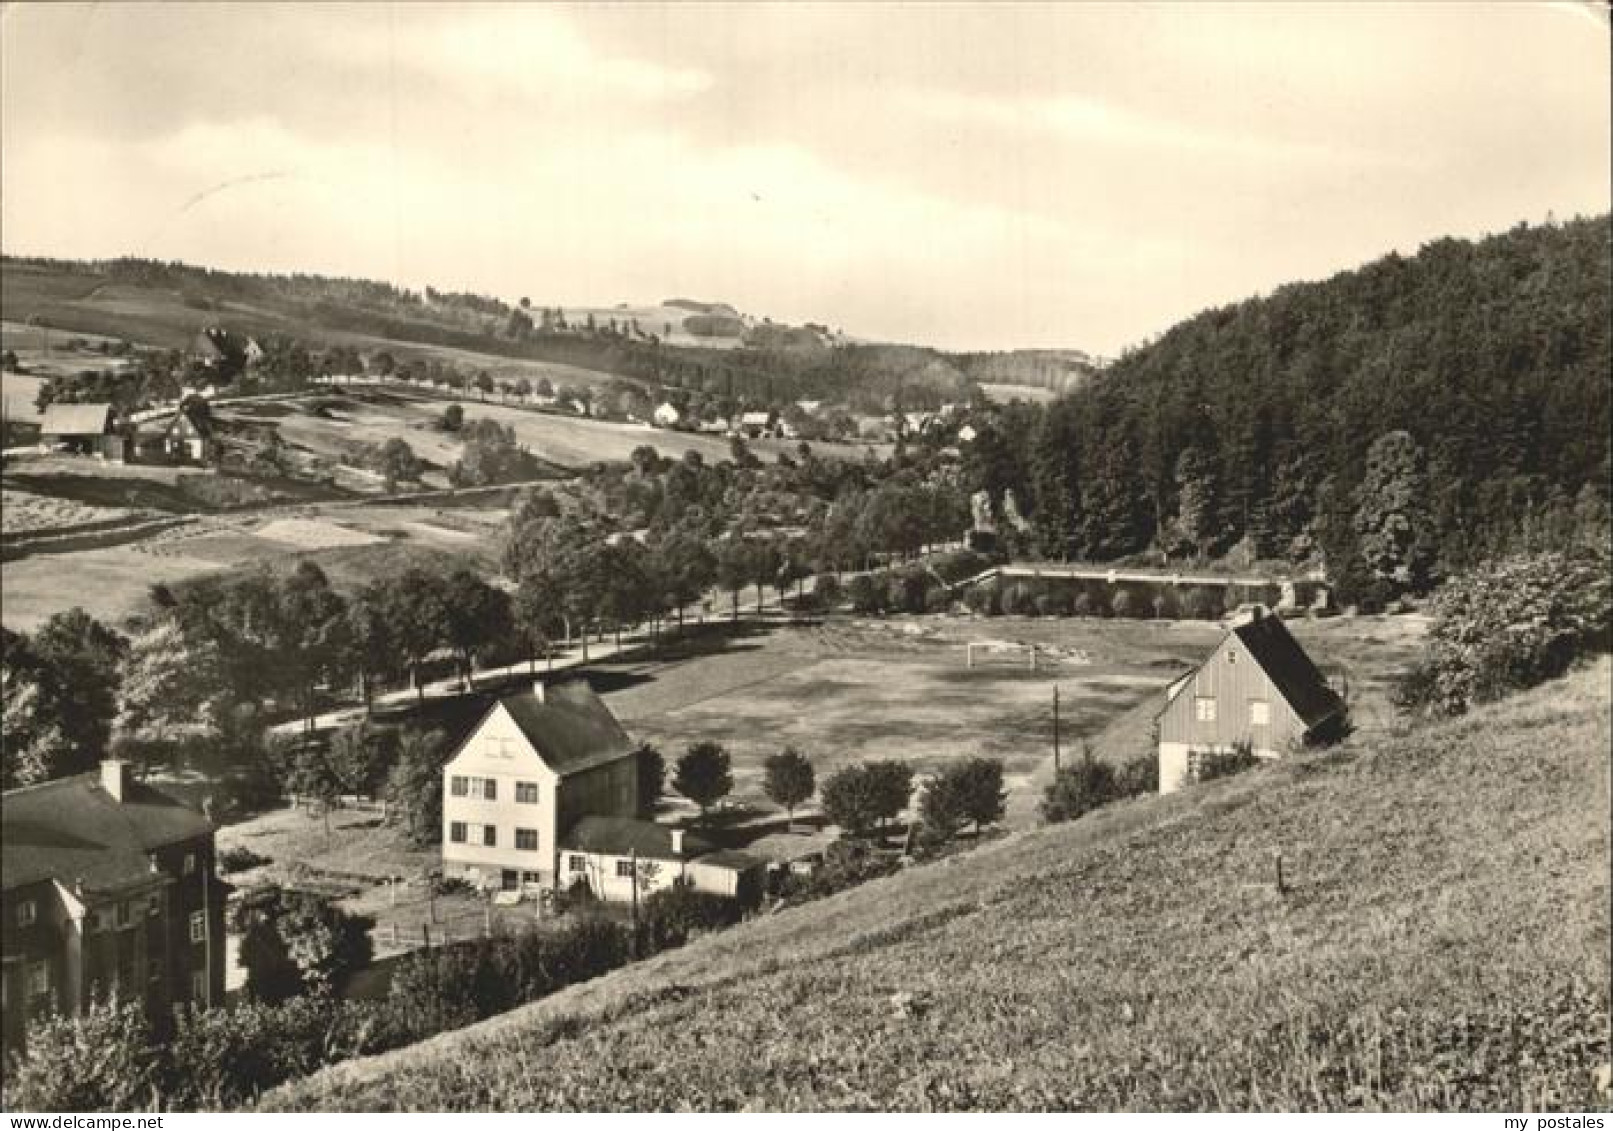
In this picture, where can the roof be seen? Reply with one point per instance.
(570, 727)
(76, 419)
(1273, 647)
(731, 859)
(755, 418)
(627, 836)
(784, 847)
(207, 345)
(71, 829)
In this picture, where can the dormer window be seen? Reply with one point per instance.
(27, 912)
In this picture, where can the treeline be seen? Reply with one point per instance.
(1398, 422)
(869, 377)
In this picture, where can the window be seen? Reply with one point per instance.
(579, 864)
(125, 913)
(190, 863)
(1204, 709)
(526, 840)
(456, 832)
(198, 926)
(459, 786)
(1259, 713)
(624, 869)
(198, 985)
(27, 912)
(1232, 655)
(526, 792)
(531, 877)
(489, 789)
(489, 836)
(39, 979)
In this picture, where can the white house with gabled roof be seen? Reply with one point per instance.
(536, 764)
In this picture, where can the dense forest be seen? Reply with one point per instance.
(1398, 422)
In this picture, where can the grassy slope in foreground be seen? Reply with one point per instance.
(1444, 945)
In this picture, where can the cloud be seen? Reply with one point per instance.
(511, 49)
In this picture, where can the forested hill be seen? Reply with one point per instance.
(1406, 418)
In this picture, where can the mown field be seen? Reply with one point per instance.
(855, 690)
(1441, 942)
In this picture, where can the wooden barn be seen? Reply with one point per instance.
(84, 429)
(1258, 687)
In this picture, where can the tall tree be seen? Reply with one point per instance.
(788, 780)
(704, 775)
(1392, 522)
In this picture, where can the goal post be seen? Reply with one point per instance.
(1003, 655)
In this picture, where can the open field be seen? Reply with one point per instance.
(1441, 942)
(353, 544)
(850, 691)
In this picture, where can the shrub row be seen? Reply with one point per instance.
(112, 1058)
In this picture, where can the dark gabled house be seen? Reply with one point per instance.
(1258, 687)
(106, 884)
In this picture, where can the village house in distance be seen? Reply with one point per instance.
(1258, 687)
(544, 794)
(106, 884)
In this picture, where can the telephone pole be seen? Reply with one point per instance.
(1055, 729)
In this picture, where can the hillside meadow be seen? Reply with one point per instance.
(1440, 942)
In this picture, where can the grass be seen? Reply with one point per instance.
(1442, 944)
(850, 691)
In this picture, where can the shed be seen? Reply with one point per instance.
(83, 428)
(734, 875)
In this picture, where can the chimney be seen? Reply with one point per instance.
(117, 777)
(677, 842)
(1248, 614)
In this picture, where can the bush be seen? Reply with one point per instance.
(1084, 605)
(827, 591)
(964, 791)
(1138, 775)
(98, 1060)
(1017, 599)
(1077, 790)
(1215, 764)
(1122, 604)
(674, 915)
(866, 596)
(846, 864)
(239, 859)
(1508, 626)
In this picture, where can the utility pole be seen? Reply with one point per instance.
(1055, 729)
(633, 857)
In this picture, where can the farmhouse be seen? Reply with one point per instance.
(106, 884)
(536, 764)
(755, 424)
(216, 349)
(85, 429)
(1257, 687)
(666, 415)
(183, 435)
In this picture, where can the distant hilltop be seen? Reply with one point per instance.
(698, 307)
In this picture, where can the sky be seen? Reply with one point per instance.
(969, 176)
